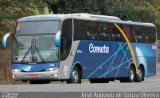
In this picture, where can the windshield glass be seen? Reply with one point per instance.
(34, 49)
(37, 44)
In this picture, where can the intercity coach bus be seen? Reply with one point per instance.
(79, 46)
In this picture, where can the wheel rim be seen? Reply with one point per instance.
(140, 73)
(75, 76)
(131, 75)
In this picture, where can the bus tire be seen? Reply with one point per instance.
(75, 76)
(140, 75)
(131, 75)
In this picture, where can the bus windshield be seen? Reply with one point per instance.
(37, 44)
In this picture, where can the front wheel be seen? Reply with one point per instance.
(76, 76)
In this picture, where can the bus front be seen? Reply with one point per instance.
(35, 55)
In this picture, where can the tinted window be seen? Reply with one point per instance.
(144, 34)
(151, 34)
(85, 30)
(66, 38)
(137, 31)
(91, 30)
(116, 34)
(105, 32)
(79, 30)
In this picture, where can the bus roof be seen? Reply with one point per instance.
(83, 16)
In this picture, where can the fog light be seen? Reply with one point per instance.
(54, 75)
(14, 76)
(51, 69)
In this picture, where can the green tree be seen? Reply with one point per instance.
(10, 10)
(135, 10)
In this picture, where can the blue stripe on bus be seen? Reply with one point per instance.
(35, 67)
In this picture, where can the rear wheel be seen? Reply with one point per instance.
(76, 76)
(131, 75)
(140, 75)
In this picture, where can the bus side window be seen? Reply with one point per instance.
(66, 39)
(116, 34)
(92, 30)
(103, 32)
(137, 34)
(151, 34)
(102, 35)
(145, 36)
(89, 35)
(139, 38)
(80, 30)
(141, 34)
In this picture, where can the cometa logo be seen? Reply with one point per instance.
(98, 49)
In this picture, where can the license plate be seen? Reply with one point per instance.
(32, 76)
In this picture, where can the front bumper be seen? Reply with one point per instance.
(48, 75)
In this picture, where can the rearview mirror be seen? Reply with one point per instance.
(4, 40)
(58, 39)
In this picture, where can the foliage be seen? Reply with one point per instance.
(10, 10)
(135, 10)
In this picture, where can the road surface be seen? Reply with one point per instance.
(151, 84)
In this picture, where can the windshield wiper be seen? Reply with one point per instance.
(33, 48)
(26, 54)
(39, 55)
(28, 50)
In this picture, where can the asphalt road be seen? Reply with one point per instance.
(151, 84)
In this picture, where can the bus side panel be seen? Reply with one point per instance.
(146, 55)
(96, 62)
(151, 66)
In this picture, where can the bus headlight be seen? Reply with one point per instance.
(16, 70)
(51, 69)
